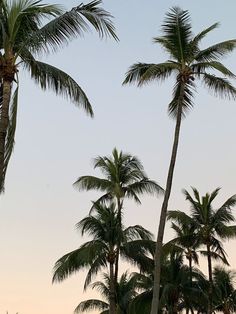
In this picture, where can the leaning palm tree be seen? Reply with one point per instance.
(125, 293)
(124, 177)
(109, 240)
(23, 37)
(224, 298)
(188, 64)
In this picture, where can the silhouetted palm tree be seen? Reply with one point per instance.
(188, 64)
(125, 293)
(211, 226)
(124, 177)
(23, 37)
(109, 238)
(224, 296)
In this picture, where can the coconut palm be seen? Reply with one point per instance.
(109, 238)
(23, 37)
(188, 63)
(124, 177)
(125, 293)
(177, 292)
(212, 226)
(186, 240)
(224, 290)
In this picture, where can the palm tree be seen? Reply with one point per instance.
(177, 292)
(224, 290)
(99, 253)
(125, 293)
(124, 177)
(188, 63)
(186, 240)
(23, 36)
(211, 227)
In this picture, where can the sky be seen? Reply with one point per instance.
(56, 142)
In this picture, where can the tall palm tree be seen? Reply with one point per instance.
(211, 226)
(23, 37)
(224, 290)
(125, 293)
(109, 239)
(188, 64)
(124, 177)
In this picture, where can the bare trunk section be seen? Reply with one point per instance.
(190, 270)
(157, 257)
(112, 298)
(210, 292)
(4, 120)
(119, 208)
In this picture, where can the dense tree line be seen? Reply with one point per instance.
(183, 286)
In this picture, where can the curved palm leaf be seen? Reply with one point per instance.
(70, 24)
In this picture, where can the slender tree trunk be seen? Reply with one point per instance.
(4, 120)
(210, 292)
(157, 257)
(119, 209)
(191, 281)
(190, 271)
(112, 298)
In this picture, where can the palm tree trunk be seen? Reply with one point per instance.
(119, 208)
(191, 280)
(190, 270)
(112, 299)
(210, 292)
(157, 257)
(4, 120)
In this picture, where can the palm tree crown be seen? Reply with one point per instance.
(110, 239)
(224, 290)
(188, 62)
(124, 176)
(125, 293)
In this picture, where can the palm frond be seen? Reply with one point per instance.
(182, 95)
(69, 25)
(50, 77)
(146, 186)
(91, 305)
(219, 86)
(201, 67)
(87, 183)
(134, 232)
(76, 260)
(195, 41)
(143, 73)
(181, 217)
(95, 267)
(10, 138)
(217, 51)
(177, 31)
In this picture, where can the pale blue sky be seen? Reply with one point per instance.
(55, 143)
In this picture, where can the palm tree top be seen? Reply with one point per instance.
(201, 207)
(124, 176)
(187, 61)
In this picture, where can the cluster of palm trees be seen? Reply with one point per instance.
(23, 37)
(182, 284)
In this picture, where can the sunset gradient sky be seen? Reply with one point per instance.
(55, 143)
